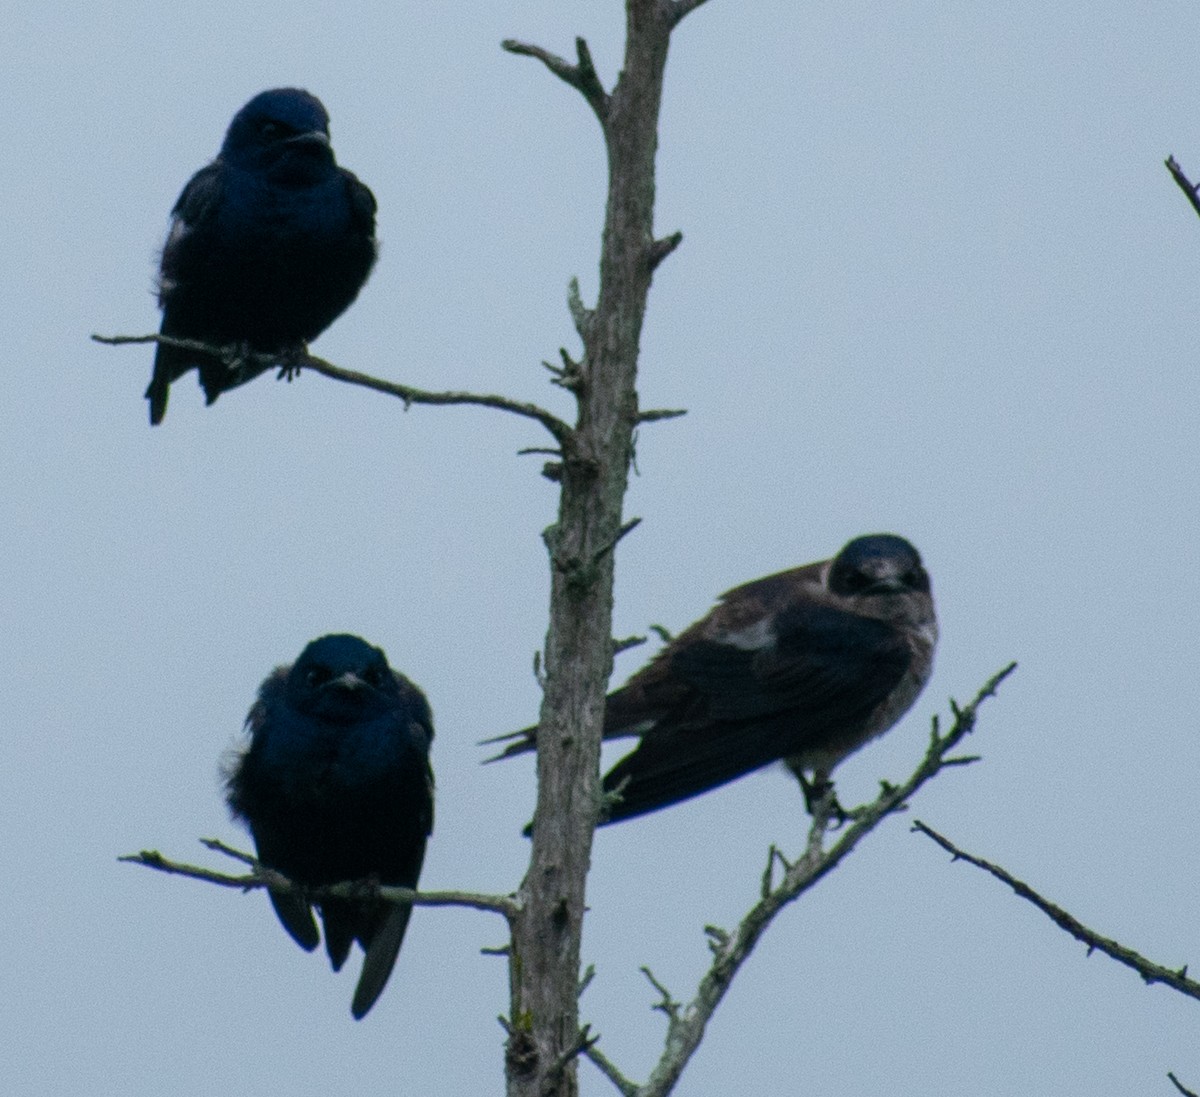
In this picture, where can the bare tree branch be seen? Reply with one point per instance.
(407, 393)
(654, 415)
(663, 247)
(686, 1024)
(1180, 1086)
(581, 315)
(260, 876)
(606, 1067)
(581, 76)
(1149, 971)
(1183, 182)
(678, 9)
(666, 1005)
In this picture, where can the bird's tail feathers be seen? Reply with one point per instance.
(380, 958)
(681, 764)
(520, 742)
(342, 920)
(159, 388)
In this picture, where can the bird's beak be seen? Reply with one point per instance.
(349, 681)
(312, 137)
(886, 584)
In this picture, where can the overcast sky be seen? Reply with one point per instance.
(935, 280)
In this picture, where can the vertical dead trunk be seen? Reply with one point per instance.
(545, 1037)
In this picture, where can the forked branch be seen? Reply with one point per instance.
(686, 1024)
(581, 76)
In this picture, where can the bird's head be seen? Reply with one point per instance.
(284, 132)
(342, 678)
(879, 564)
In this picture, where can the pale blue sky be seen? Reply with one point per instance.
(935, 280)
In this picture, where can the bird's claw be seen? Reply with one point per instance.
(820, 800)
(290, 362)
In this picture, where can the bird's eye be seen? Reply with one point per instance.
(270, 130)
(316, 676)
(373, 676)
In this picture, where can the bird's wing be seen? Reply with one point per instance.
(297, 919)
(195, 205)
(419, 717)
(201, 195)
(426, 816)
(362, 203)
(819, 662)
(270, 694)
(818, 675)
(740, 624)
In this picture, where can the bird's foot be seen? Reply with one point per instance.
(238, 359)
(821, 802)
(367, 888)
(290, 361)
(241, 365)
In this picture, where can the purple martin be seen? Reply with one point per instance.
(335, 785)
(804, 666)
(268, 245)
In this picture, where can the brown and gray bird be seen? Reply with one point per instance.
(804, 667)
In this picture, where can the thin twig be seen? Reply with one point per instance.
(1148, 970)
(561, 431)
(667, 1005)
(581, 315)
(663, 247)
(218, 846)
(1179, 1085)
(586, 979)
(1184, 183)
(581, 76)
(583, 1040)
(654, 415)
(261, 876)
(626, 529)
(609, 1069)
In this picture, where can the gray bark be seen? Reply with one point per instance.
(544, 1036)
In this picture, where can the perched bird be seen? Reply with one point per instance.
(336, 785)
(804, 666)
(268, 245)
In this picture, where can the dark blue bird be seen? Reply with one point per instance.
(336, 785)
(804, 666)
(268, 245)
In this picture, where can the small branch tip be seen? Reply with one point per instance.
(663, 247)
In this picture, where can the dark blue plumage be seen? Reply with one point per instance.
(336, 785)
(268, 245)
